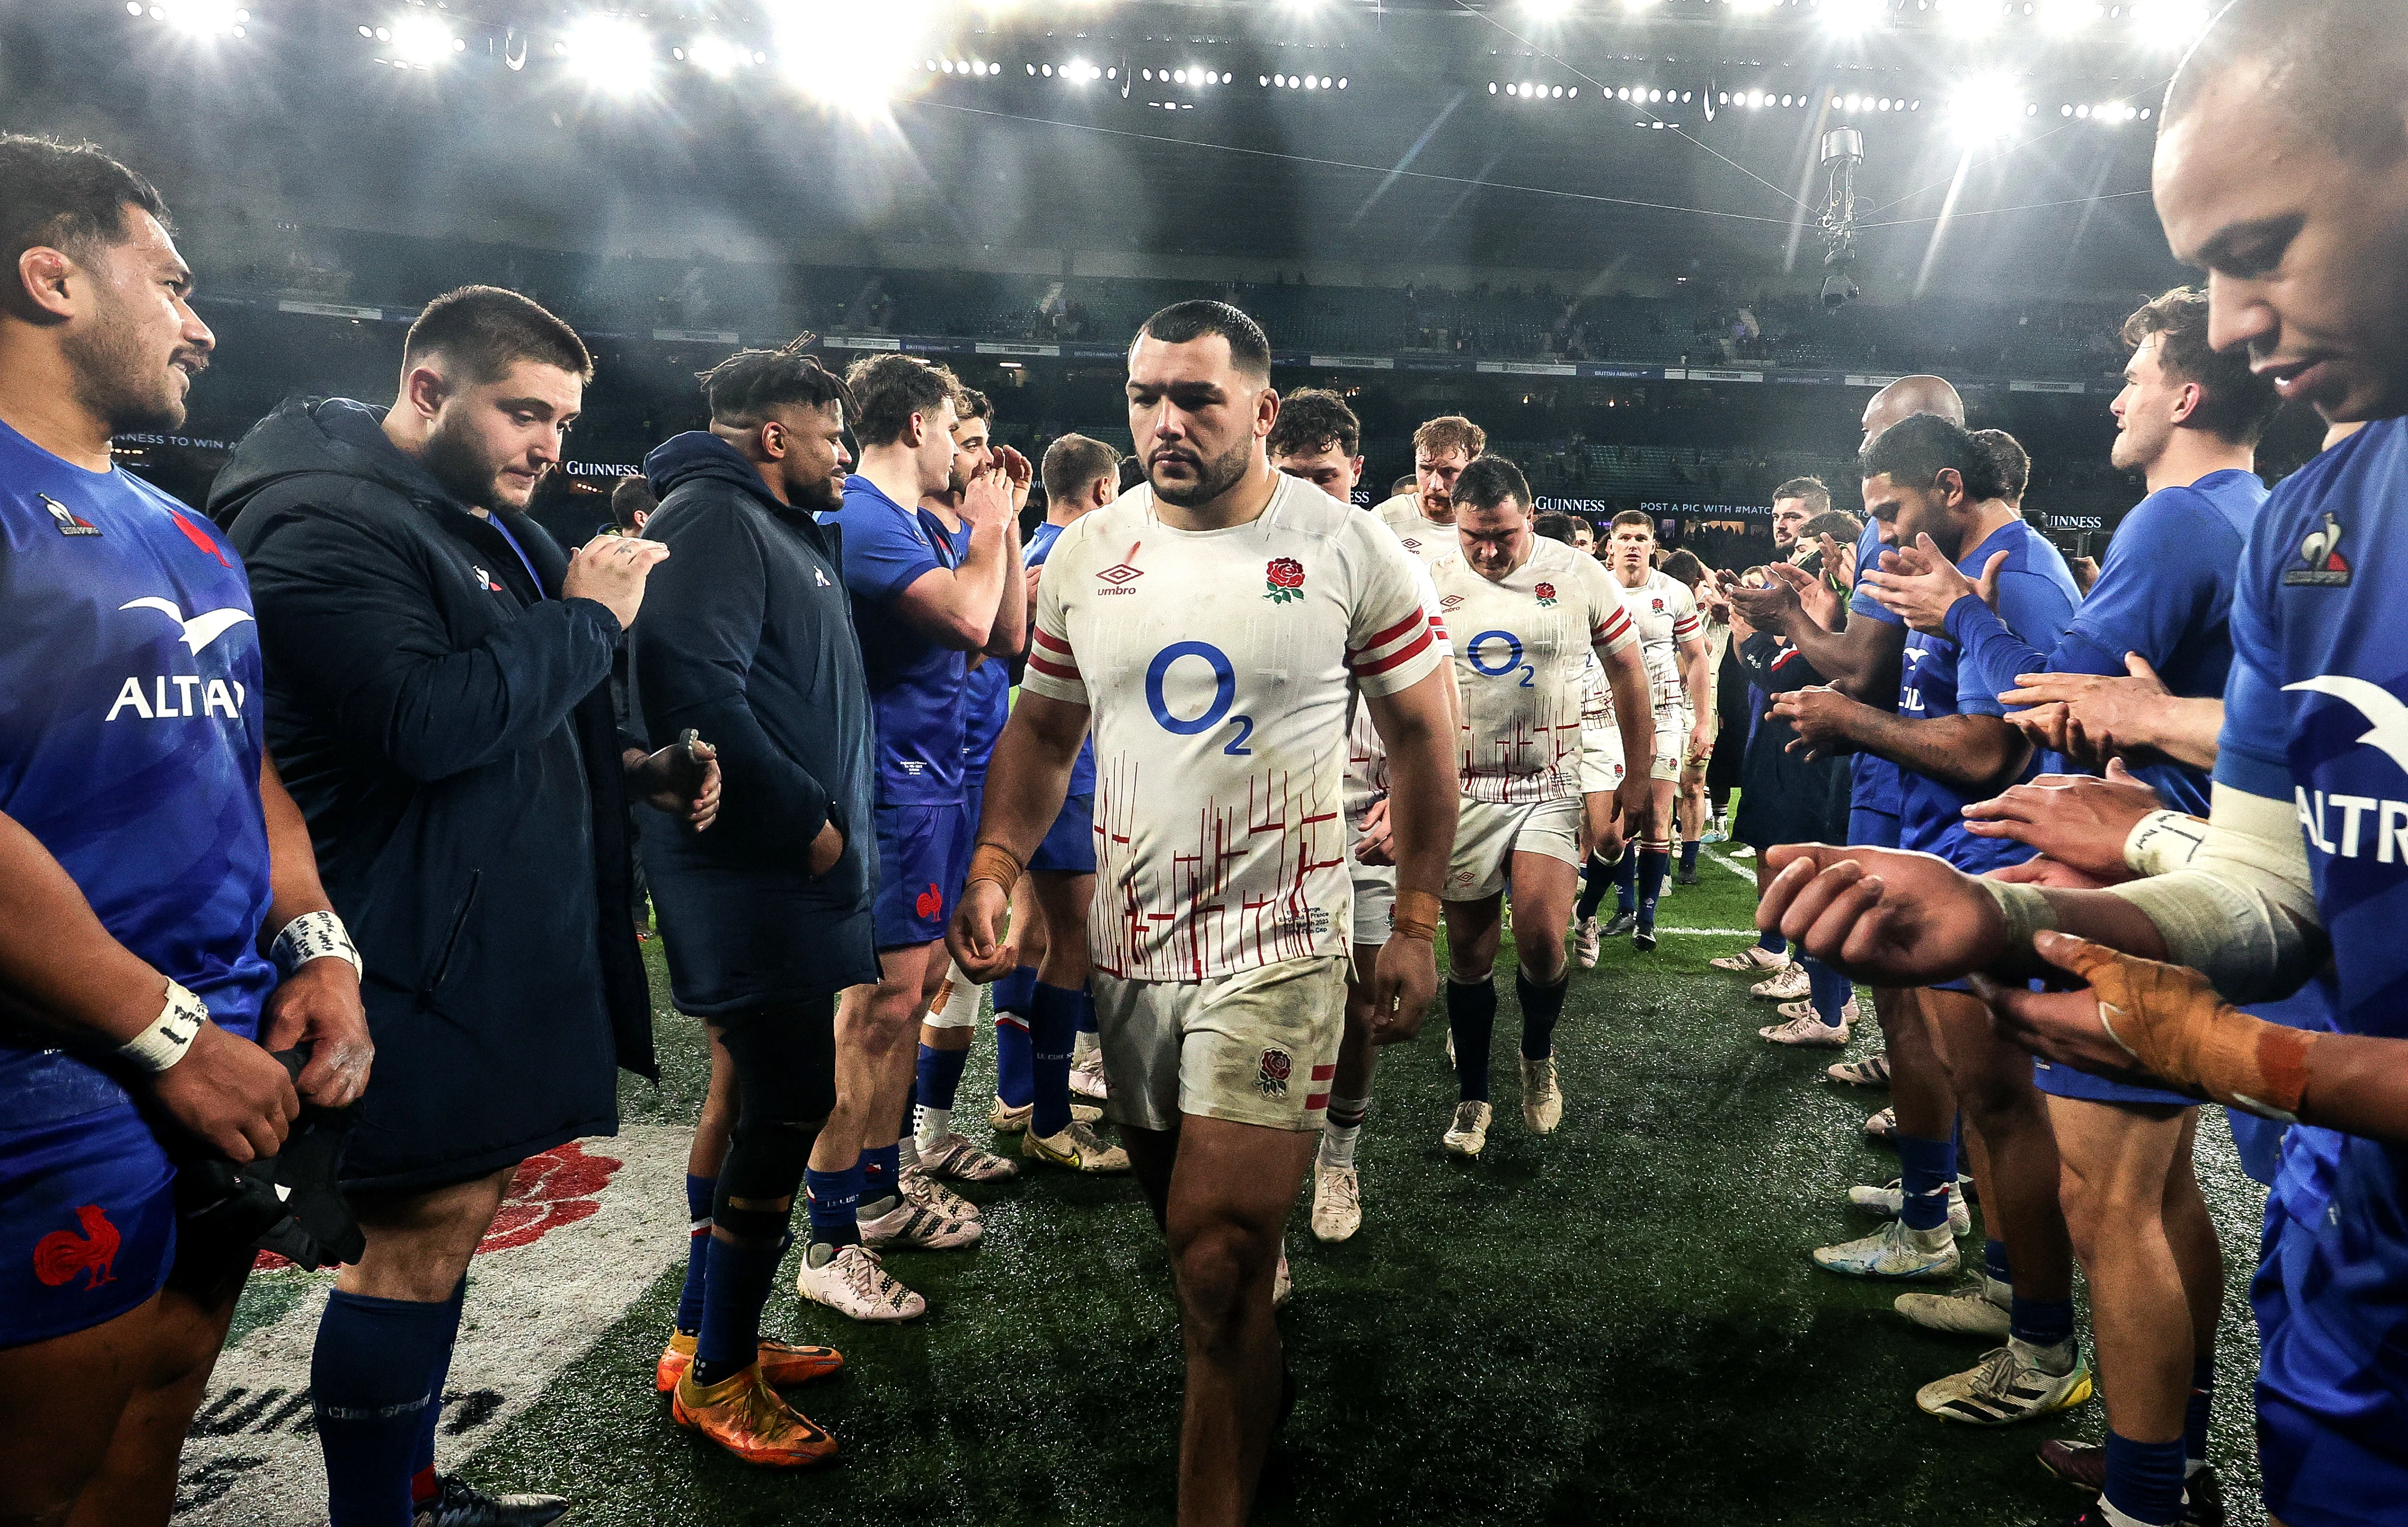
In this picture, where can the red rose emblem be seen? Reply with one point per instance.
(558, 1188)
(1271, 1078)
(1546, 590)
(1284, 580)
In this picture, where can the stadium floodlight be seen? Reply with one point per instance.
(716, 56)
(2172, 24)
(1849, 16)
(423, 40)
(611, 53)
(1969, 18)
(851, 58)
(1989, 108)
(202, 18)
(2063, 18)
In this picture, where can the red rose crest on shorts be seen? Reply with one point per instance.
(1271, 1076)
(1284, 580)
(1546, 593)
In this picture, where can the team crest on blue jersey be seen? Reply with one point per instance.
(68, 522)
(2321, 565)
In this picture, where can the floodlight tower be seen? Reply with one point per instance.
(1843, 149)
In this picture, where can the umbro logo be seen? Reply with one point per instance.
(1450, 601)
(68, 522)
(1124, 573)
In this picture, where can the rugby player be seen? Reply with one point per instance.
(1214, 622)
(1930, 485)
(748, 636)
(439, 698)
(919, 609)
(2188, 419)
(1318, 439)
(986, 701)
(1672, 645)
(1424, 518)
(1525, 610)
(1049, 909)
(147, 855)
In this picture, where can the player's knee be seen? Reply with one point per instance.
(1540, 950)
(1218, 1264)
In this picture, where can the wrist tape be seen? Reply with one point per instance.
(170, 1034)
(995, 863)
(2172, 1021)
(1416, 915)
(2163, 842)
(2025, 908)
(315, 935)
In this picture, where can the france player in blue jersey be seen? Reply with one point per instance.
(2298, 869)
(2188, 419)
(149, 855)
(952, 1018)
(1048, 987)
(919, 610)
(1931, 486)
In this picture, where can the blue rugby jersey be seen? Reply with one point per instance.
(915, 683)
(130, 740)
(1872, 781)
(2315, 711)
(1040, 546)
(2164, 592)
(2036, 598)
(986, 693)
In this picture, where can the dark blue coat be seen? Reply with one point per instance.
(747, 637)
(447, 730)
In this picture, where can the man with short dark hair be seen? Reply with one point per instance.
(920, 607)
(631, 503)
(1928, 485)
(1049, 907)
(1793, 503)
(2188, 419)
(156, 875)
(1211, 622)
(437, 685)
(747, 636)
(1527, 612)
(1422, 516)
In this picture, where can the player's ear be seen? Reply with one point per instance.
(1267, 408)
(425, 390)
(2187, 402)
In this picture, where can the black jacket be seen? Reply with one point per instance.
(447, 730)
(747, 637)
(1783, 797)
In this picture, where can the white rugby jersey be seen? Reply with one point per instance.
(1217, 666)
(1366, 756)
(1664, 614)
(1426, 538)
(1518, 649)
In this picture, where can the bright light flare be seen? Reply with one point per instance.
(611, 53)
(715, 55)
(423, 40)
(854, 58)
(1753, 8)
(2173, 25)
(1547, 9)
(1970, 18)
(202, 18)
(1986, 110)
(1852, 16)
(2064, 18)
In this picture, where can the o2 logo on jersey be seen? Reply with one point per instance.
(1225, 694)
(1478, 652)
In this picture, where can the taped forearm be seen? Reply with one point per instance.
(2233, 897)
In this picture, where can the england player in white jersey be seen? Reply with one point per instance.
(1673, 642)
(1525, 612)
(1215, 623)
(1317, 440)
(1424, 519)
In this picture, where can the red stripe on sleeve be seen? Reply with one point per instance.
(1054, 670)
(1045, 640)
(1385, 638)
(1380, 665)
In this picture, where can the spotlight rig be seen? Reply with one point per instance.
(1843, 149)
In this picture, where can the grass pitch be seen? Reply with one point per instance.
(1618, 1323)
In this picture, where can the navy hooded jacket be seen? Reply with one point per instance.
(747, 637)
(443, 719)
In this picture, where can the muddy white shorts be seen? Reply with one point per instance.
(1257, 1046)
